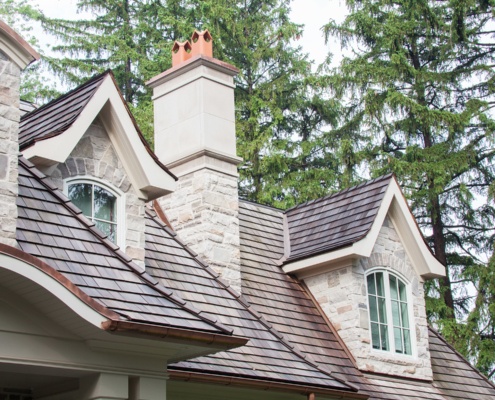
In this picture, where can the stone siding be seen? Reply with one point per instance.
(9, 147)
(95, 156)
(342, 295)
(204, 212)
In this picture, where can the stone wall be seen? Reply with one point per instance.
(204, 212)
(95, 156)
(342, 295)
(9, 147)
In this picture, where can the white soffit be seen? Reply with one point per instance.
(394, 205)
(52, 286)
(145, 174)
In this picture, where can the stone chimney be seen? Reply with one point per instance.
(15, 55)
(195, 139)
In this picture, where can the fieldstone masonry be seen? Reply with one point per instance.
(204, 212)
(342, 295)
(94, 156)
(9, 147)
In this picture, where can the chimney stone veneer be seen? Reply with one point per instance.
(195, 139)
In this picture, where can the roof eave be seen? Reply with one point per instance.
(261, 384)
(16, 47)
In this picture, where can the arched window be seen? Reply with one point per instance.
(390, 323)
(100, 204)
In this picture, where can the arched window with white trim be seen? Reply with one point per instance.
(99, 203)
(389, 313)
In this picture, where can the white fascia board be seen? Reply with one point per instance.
(16, 48)
(51, 285)
(395, 205)
(145, 174)
(423, 260)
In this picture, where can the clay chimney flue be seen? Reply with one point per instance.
(180, 52)
(201, 43)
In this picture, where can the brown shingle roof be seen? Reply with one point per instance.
(58, 115)
(334, 221)
(285, 304)
(453, 375)
(52, 229)
(267, 356)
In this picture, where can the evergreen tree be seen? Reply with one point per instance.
(419, 96)
(279, 108)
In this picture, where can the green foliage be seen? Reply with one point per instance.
(278, 102)
(418, 96)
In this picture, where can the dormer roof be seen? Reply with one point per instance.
(50, 133)
(345, 225)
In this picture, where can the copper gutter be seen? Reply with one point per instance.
(57, 276)
(259, 384)
(113, 323)
(205, 338)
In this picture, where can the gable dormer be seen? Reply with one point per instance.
(88, 143)
(362, 255)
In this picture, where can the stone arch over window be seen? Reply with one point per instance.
(100, 202)
(390, 312)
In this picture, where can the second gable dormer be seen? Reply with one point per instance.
(89, 145)
(362, 256)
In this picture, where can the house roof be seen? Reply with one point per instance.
(61, 124)
(286, 304)
(267, 355)
(290, 340)
(350, 213)
(53, 230)
(58, 115)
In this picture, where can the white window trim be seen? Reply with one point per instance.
(121, 229)
(412, 326)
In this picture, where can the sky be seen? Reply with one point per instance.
(312, 13)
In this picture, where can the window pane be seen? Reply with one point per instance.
(395, 313)
(407, 341)
(375, 336)
(393, 288)
(382, 310)
(379, 284)
(371, 284)
(398, 340)
(80, 194)
(373, 309)
(405, 315)
(384, 337)
(402, 291)
(108, 229)
(105, 204)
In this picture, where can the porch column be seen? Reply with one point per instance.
(141, 388)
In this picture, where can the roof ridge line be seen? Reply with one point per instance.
(142, 274)
(65, 95)
(328, 196)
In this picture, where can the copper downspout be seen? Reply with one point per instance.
(311, 396)
(262, 385)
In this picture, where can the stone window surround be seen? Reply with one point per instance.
(121, 239)
(387, 272)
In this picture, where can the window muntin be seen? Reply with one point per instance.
(389, 313)
(98, 204)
